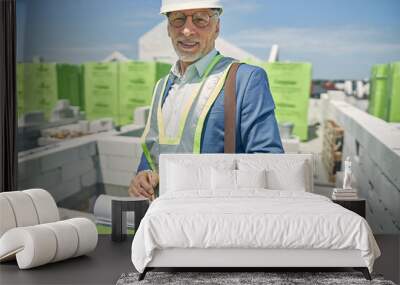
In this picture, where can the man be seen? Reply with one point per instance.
(187, 113)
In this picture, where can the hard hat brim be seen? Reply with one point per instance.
(189, 6)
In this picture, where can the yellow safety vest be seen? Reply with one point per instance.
(188, 139)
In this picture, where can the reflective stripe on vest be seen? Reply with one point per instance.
(188, 140)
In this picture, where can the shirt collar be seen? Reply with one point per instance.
(200, 65)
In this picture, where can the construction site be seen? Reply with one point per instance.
(82, 137)
(237, 134)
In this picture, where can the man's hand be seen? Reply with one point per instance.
(143, 184)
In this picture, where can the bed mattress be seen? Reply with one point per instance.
(250, 219)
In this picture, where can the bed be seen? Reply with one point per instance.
(246, 211)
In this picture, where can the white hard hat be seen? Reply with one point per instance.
(177, 5)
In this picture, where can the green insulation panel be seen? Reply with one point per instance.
(378, 101)
(290, 85)
(20, 89)
(69, 84)
(101, 90)
(136, 83)
(41, 88)
(394, 92)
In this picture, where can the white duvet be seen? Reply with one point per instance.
(253, 218)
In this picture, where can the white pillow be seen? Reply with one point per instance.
(226, 179)
(251, 178)
(282, 174)
(293, 181)
(188, 177)
(282, 179)
(192, 174)
(223, 179)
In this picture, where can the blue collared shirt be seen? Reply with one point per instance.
(198, 68)
(256, 126)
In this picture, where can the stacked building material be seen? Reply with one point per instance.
(70, 84)
(384, 98)
(378, 92)
(290, 84)
(332, 148)
(41, 85)
(136, 82)
(291, 88)
(116, 89)
(76, 170)
(394, 93)
(40, 91)
(119, 158)
(101, 90)
(20, 90)
(64, 169)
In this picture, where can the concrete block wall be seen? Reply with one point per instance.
(140, 114)
(291, 145)
(63, 170)
(71, 167)
(374, 147)
(119, 159)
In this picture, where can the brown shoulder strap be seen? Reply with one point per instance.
(230, 110)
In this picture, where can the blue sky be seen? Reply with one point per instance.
(341, 38)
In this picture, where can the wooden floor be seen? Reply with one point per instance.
(106, 264)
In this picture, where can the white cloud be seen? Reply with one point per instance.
(325, 41)
(240, 5)
(142, 19)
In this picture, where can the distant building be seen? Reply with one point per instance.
(116, 56)
(156, 45)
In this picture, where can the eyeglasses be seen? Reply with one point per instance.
(199, 19)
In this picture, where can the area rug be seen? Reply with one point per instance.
(243, 278)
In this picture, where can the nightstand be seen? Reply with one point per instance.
(355, 205)
(118, 215)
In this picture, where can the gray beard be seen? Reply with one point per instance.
(188, 58)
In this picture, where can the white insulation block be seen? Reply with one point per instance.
(7, 218)
(23, 208)
(41, 244)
